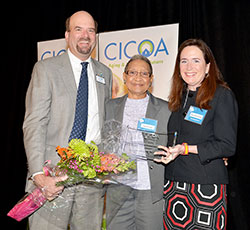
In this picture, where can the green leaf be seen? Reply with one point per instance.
(125, 156)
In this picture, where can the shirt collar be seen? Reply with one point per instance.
(75, 60)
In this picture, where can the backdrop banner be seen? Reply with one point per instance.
(159, 44)
(114, 49)
(51, 48)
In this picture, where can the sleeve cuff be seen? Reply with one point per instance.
(32, 176)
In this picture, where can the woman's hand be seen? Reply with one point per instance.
(169, 154)
(225, 159)
(166, 156)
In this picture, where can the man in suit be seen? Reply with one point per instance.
(51, 102)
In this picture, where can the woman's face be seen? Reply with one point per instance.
(138, 79)
(193, 67)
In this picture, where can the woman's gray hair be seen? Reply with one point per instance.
(139, 57)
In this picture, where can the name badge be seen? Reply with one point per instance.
(100, 79)
(147, 125)
(195, 115)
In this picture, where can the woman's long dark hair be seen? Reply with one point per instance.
(209, 84)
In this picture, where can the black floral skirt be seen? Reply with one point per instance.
(194, 206)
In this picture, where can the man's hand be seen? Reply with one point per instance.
(48, 186)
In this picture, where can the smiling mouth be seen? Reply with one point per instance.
(190, 74)
(83, 43)
(138, 85)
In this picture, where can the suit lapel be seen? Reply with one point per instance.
(152, 112)
(153, 107)
(67, 75)
(119, 108)
(100, 90)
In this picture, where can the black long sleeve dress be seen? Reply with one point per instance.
(195, 185)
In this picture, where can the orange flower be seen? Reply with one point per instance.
(64, 153)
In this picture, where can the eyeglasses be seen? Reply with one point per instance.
(133, 73)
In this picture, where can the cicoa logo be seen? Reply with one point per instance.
(116, 50)
(53, 53)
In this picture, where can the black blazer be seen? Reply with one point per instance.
(215, 139)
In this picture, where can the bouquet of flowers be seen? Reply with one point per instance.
(82, 163)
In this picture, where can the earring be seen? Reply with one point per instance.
(206, 75)
(124, 81)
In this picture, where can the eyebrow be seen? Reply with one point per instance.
(79, 27)
(191, 58)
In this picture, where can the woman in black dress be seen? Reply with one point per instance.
(204, 117)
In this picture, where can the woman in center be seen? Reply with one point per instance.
(139, 207)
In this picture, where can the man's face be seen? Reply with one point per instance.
(81, 37)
